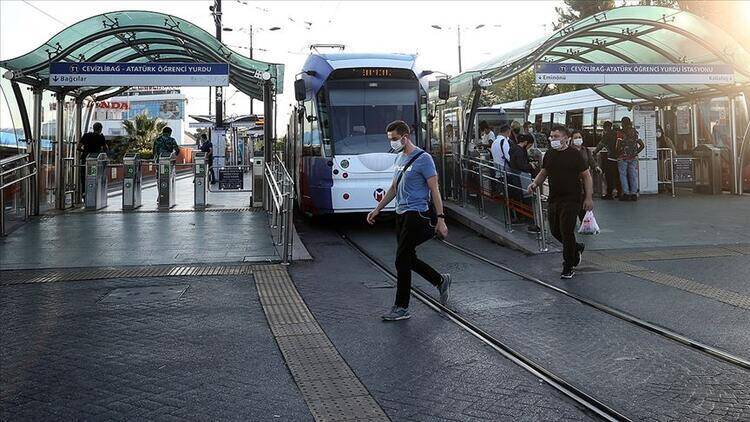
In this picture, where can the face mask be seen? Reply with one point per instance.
(658, 134)
(555, 144)
(397, 145)
(578, 142)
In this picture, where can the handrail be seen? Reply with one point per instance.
(279, 187)
(17, 179)
(13, 158)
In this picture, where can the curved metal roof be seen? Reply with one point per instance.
(139, 36)
(633, 34)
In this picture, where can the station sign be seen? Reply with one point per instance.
(633, 73)
(139, 74)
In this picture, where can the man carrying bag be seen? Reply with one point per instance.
(414, 184)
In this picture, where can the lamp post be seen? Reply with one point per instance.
(458, 36)
(250, 30)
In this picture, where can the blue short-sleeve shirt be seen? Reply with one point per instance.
(413, 194)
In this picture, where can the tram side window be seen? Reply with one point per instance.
(423, 107)
(324, 123)
(307, 136)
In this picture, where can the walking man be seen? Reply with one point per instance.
(208, 147)
(611, 173)
(91, 143)
(165, 143)
(565, 168)
(414, 185)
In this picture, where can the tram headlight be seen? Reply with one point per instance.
(344, 164)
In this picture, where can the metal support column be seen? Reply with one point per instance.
(59, 153)
(694, 123)
(736, 173)
(76, 163)
(268, 123)
(36, 133)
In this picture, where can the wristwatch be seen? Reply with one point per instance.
(441, 216)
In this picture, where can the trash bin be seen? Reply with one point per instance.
(707, 169)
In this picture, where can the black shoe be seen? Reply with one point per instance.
(580, 247)
(567, 273)
(633, 198)
(607, 197)
(624, 198)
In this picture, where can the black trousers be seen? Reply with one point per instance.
(412, 229)
(612, 176)
(562, 225)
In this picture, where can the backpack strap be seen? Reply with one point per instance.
(413, 159)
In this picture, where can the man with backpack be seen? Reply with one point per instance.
(414, 185)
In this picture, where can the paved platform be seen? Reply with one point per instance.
(228, 231)
(171, 348)
(656, 221)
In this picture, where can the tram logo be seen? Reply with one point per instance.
(379, 194)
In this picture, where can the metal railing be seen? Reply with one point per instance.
(505, 188)
(665, 171)
(279, 191)
(15, 170)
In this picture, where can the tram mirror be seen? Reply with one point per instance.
(300, 91)
(444, 89)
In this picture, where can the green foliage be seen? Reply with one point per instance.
(575, 10)
(118, 147)
(142, 131)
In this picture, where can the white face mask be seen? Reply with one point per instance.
(578, 141)
(397, 145)
(555, 144)
(658, 134)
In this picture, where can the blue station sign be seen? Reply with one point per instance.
(139, 74)
(634, 73)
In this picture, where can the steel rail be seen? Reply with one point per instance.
(625, 316)
(582, 398)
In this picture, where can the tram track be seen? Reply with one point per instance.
(585, 400)
(712, 351)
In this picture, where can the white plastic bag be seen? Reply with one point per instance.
(589, 225)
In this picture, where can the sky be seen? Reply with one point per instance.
(362, 26)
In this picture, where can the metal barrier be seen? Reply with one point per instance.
(510, 195)
(15, 170)
(166, 179)
(280, 203)
(665, 173)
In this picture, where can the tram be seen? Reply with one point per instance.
(337, 141)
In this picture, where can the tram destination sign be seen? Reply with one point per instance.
(633, 73)
(140, 74)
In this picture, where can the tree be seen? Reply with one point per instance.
(575, 10)
(141, 133)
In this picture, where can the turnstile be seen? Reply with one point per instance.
(131, 183)
(707, 169)
(200, 172)
(96, 181)
(166, 174)
(258, 176)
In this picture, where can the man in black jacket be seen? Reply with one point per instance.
(611, 173)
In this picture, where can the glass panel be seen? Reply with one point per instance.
(46, 168)
(361, 110)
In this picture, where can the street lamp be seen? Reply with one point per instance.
(458, 33)
(250, 30)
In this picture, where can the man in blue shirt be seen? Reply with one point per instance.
(414, 184)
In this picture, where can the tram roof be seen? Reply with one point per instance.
(631, 34)
(135, 36)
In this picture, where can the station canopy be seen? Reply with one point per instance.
(632, 34)
(139, 37)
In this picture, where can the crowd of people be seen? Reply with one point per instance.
(517, 149)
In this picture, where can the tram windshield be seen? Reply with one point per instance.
(359, 112)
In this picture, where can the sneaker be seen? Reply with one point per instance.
(397, 314)
(580, 247)
(445, 289)
(606, 197)
(624, 197)
(567, 273)
(633, 197)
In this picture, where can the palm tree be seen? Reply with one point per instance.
(141, 133)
